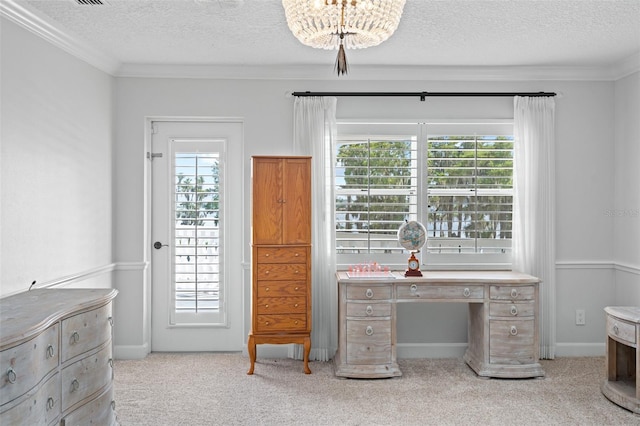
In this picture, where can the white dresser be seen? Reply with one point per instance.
(56, 358)
(502, 327)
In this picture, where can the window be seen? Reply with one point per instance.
(454, 178)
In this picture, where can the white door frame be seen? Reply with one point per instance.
(147, 235)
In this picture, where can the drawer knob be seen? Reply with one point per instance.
(266, 272)
(266, 305)
(267, 255)
(514, 310)
(295, 306)
(369, 310)
(50, 351)
(75, 385)
(616, 330)
(50, 403)
(369, 330)
(266, 323)
(514, 293)
(75, 337)
(513, 331)
(466, 292)
(296, 272)
(296, 322)
(414, 290)
(11, 375)
(369, 293)
(297, 254)
(266, 289)
(297, 288)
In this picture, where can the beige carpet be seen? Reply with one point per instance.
(213, 389)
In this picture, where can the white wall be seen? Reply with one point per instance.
(58, 129)
(55, 166)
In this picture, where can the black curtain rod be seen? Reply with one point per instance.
(424, 95)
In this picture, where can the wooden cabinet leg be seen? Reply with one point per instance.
(307, 350)
(251, 347)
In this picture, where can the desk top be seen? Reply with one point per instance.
(471, 277)
(629, 313)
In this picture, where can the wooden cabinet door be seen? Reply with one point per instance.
(267, 200)
(297, 205)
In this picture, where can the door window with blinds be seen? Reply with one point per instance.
(197, 233)
(456, 178)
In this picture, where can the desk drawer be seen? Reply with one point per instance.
(85, 331)
(281, 255)
(281, 305)
(281, 288)
(87, 376)
(368, 309)
(368, 292)
(498, 309)
(368, 342)
(511, 341)
(424, 291)
(281, 322)
(509, 292)
(275, 271)
(621, 330)
(42, 408)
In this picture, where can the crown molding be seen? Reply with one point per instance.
(34, 22)
(37, 24)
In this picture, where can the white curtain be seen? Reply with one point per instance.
(314, 133)
(534, 206)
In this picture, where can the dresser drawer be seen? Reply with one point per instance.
(100, 412)
(85, 331)
(621, 330)
(417, 291)
(368, 341)
(511, 342)
(368, 309)
(281, 255)
(23, 366)
(368, 292)
(497, 309)
(282, 322)
(275, 271)
(507, 292)
(281, 288)
(86, 376)
(281, 305)
(42, 408)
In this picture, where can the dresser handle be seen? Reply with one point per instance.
(295, 306)
(75, 385)
(466, 292)
(75, 337)
(266, 272)
(50, 351)
(414, 289)
(111, 362)
(514, 293)
(113, 405)
(297, 288)
(513, 331)
(297, 254)
(267, 255)
(110, 319)
(266, 289)
(369, 293)
(266, 323)
(615, 329)
(266, 305)
(50, 403)
(296, 272)
(369, 310)
(514, 310)
(296, 322)
(368, 331)
(11, 375)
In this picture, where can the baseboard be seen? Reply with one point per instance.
(580, 349)
(130, 352)
(430, 350)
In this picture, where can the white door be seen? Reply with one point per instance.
(196, 217)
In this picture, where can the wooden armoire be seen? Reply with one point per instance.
(281, 253)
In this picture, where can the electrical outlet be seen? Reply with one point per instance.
(580, 317)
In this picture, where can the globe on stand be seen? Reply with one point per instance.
(412, 236)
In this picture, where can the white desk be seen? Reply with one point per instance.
(503, 320)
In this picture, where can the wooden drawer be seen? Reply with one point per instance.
(41, 408)
(368, 342)
(275, 271)
(497, 309)
(507, 292)
(368, 309)
(85, 331)
(281, 254)
(282, 322)
(416, 291)
(368, 292)
(622, 331)
(511, 342)
(86, 376)
(281, 305)
(281, 288)
(23, 366)
(100, 412)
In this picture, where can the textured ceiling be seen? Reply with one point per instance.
(432, 33)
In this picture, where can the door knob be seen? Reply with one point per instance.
(158, 245)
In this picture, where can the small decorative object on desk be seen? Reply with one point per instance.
(412, 236)
(369, 270)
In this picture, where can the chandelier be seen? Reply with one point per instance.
(342, 24)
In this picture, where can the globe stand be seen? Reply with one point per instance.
(413, 272)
